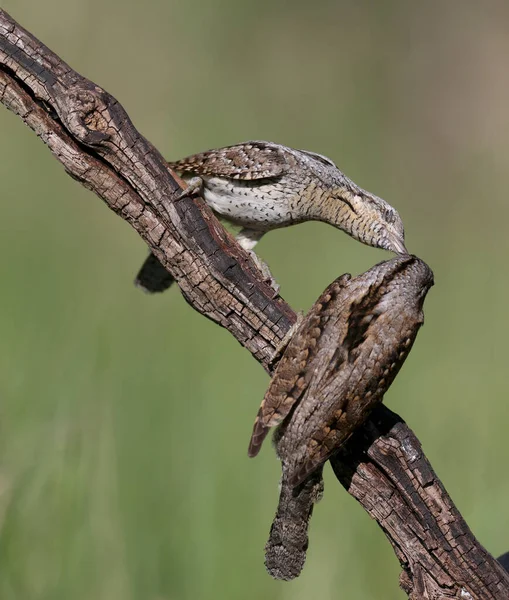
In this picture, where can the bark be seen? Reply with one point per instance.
(383, 466)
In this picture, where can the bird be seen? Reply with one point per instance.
(337, 366)
(340, 360)
(260, 186)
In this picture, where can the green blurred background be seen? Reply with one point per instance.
(123, 465)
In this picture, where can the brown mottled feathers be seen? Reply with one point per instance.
(293, 371)
(247, 161)
(285, 552)
(351, 345)
(378, 318)
(342, 359)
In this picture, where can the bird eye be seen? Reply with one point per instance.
(389, 215)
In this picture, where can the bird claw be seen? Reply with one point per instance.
(275, 286)
(194, 187)
(267, 275)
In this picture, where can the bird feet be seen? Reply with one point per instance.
(194, 187)
(267, 275)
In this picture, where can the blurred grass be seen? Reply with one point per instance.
(125, 418)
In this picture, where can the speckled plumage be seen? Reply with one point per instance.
(341, 360)
(261, 186)
(339, 363)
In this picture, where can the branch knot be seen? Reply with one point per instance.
(83, 110)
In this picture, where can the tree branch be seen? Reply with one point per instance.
(383, 466)
(91, 135)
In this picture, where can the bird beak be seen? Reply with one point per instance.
(398, 246)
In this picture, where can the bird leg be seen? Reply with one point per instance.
(248, 238)
(194, 187)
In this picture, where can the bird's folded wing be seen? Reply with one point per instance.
(297, 366)
(247, 161)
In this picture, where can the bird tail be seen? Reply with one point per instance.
(260, 431)
(153, 277)
(285, 552)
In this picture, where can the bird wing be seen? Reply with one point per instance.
(348, 391)
(247, 161)
(297, 366)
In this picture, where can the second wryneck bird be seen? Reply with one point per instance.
(261, 186)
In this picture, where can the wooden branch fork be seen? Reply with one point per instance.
(383, 465)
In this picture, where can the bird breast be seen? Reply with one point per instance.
(259, 204)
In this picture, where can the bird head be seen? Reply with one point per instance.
(372, 221)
